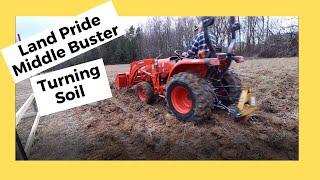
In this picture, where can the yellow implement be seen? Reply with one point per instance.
(247, 101)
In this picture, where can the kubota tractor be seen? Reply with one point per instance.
(192, 88)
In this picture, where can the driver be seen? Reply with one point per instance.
(199, 45)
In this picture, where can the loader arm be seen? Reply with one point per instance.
(127, 79)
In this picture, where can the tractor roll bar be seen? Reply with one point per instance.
(234, 26)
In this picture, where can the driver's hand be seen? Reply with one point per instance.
(185, 54)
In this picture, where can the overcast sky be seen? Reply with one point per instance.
(29, 25)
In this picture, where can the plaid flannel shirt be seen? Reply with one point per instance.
(199, 44)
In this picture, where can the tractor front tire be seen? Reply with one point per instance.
(145, 92)
(190, 97)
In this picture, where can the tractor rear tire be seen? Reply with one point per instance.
(145, 92)
(190, 97)
(231, 79)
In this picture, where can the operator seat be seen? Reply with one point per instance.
(174, 59)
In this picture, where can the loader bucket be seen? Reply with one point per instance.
(121, 80)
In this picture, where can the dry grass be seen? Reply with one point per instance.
(123, 128)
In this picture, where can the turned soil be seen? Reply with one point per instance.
(124, 128)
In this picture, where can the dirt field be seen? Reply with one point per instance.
(123, 128)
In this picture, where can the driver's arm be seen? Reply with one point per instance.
(193, 50)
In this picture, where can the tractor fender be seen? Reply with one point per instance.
(194, 66)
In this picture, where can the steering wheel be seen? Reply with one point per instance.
(178, 53)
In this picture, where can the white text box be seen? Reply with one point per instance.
(71, 87)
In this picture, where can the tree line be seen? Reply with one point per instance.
(260, 36)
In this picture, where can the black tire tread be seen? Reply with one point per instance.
(201, 89)
(149, 91)
(232, 79)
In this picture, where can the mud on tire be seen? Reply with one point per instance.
(199, 93)
(231, 79)
(145, 92)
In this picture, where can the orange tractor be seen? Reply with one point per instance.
(192, 88)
